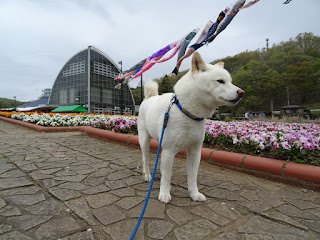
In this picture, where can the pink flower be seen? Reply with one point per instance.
(308, 146)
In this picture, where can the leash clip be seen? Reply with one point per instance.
(172, 100)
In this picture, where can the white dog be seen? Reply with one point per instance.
(204, 88)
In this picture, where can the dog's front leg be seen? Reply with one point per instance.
(193, 158)
(167, 157)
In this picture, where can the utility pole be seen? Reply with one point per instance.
(121, 90)
(267, 43)
(15, 102)
(288, 96)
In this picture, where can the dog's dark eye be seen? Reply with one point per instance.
(221, 81)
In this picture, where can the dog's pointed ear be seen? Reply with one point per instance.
(220, 64)
(197, 63)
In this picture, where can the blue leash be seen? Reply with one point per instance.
(165, 122)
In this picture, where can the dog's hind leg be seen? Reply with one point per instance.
(193, 159)
(144, 141)
(167, 158)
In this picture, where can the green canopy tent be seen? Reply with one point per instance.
(73, 108)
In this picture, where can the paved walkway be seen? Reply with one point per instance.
(71, 186)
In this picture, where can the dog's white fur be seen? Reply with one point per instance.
(204, 88)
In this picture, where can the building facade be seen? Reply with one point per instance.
(88, 79)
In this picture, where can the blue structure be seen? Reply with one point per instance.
(40, 104)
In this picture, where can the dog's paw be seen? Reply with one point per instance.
(198, 197)
(164, 197)
(147, 177)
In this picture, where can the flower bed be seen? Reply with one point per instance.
(123, 124)
(287, 141)
(295, 142)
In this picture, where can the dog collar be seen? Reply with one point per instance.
(176, 101)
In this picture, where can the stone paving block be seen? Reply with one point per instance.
(123, 230)
(230, 186)
(48, 207)
(5, 228)
(311, 224)
(179, 192)
(74, 186)
(195, 230)
(133, 180)
(108, 214)
(294, 195)
(49, 183)
(250, 195)
(85, 171)
(303, 205)
(121, 174)
(271, 197)
(115, 184)
(81, 208)
(259, 225)
(4, 167)
(29, 167)
(179, 215)
(96, 189)
(210, 183)
(48, 171)
(116, 167)
(94, 181)
(15, 235)
(87, 235)
(2, 203)
(101, 199)
(75, 178)
(295, 212)
(99, 164)
(282, 237)
(259, 237)
(14, 183)
(8, 211)
(26, 199)
(181, 202)
(223, 194)
(273, 214)
(256, 206)
(230, 236)
(155, 209)
(159, 229)
(129, 202)
(207, 213)
(314, 211)
(40, 176)
(58, 227)
(224, 210)
(267, 185)
(123, 192)
(64, 194)
(101, 172)
(27, 222)
(12, 174)
(19, 191)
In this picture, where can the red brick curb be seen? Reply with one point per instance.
(292, 173)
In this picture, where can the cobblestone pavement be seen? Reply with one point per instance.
(71, 186)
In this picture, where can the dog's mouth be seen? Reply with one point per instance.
(233, 101)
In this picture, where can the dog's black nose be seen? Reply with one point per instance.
(241, 93)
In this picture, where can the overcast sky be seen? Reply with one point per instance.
(37, 37)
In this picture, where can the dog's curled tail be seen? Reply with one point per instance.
(150, 89)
